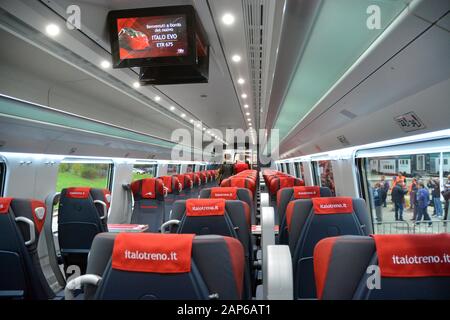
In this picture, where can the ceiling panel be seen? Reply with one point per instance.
(339, 36)
(220, 109)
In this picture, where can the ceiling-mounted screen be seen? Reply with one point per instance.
(152, 37)
(167, 43)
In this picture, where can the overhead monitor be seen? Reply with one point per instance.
(156, 37)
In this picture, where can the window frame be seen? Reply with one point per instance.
(286, 166)
(296, 169)
(3, 169)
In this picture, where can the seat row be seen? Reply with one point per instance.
(276, 181)
(83, 215)
(244, 179)
(315, 229)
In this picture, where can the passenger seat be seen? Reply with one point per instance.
(148, 203)
(150, 266)
(386, 267)
(286, 195)
(82, 213)
(231, 193)
(173, 187)
(220, 217)
(240, 182)
(186, 187)
(21, 276)
(311, 220)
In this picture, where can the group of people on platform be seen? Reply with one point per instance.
(419, 197)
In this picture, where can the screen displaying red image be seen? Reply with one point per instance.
(152, 37)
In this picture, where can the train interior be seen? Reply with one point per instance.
(224, 150)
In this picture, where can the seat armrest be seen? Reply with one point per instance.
(265, 200)
(78, 282)
(278, 278)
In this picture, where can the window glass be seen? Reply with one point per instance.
(404, 192)
(213, 166)
(142, 171)
(190, 168)
(82, 174)
(288, 168)
(324, 175)
(299, 170)
(173, 169)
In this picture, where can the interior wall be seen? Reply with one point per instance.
(344, 178)
(119, 197)
(30, 176)
(308, 178)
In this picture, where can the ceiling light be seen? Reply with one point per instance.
(248, 119)
(172, 108)
(246, 106)
(228, 19)
(136, 85)
(236, 58)
(157, 98)
(183, 115)
(191, 121)
(198, 125)
(247, 114)
(244, 96)
(241, 81)
(52, 30)
(105, 64)
(204, 129)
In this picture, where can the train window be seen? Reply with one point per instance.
(420, 162)
(393, 186)
(288, 169)
(2, 177)
(142, 171)
(299, 170)
(84, 174)
(190, 168)
(213, 166)
(173, 169)
(446, 164)
(324, 175)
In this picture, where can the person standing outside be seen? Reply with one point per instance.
(436, 196)
(377, 201)
(385, 186)
(423, 200)
(446, 195)
(412, 193)
(398, 198)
